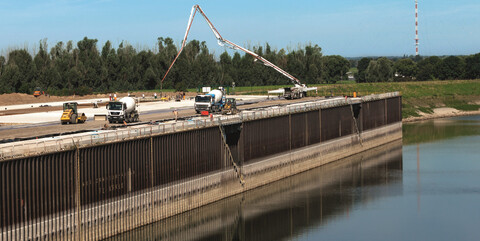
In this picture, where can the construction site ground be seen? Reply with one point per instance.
(9, 130)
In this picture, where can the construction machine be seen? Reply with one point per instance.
(124, 110)
(213, 101)
(70, 114)
(299, 90)
(230, 106)
(295, 92)
(37, 92)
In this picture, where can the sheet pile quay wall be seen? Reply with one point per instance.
(95, 185)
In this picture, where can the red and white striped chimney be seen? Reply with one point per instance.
(416, 27)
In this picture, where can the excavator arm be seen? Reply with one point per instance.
(225, 42)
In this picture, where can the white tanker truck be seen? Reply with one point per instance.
(123, 110)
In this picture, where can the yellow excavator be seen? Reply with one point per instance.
(70, 114)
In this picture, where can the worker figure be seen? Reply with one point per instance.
(155, 95)
(110, 95)
(175, 113)
(115, 97)
(143, 96)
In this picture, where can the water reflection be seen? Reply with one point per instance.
(288, 207)
(440, 129)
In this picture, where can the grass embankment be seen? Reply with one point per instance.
(417, 97)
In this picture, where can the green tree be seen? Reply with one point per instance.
(472, 66)
(43, 66)
(406, 68)
(8, 78)
(313, 58)
(427, 68)
(2, 64)
(380, 70)
(126, 75)
(166, 54)
(362, 66)
(145, 67)
(335, 68)
(109, 66)
(452, 67)
(91, 67)
(236, 64)
(63, 58)
(188, 66)
(296, 64)
(19, 73)
(226, 68)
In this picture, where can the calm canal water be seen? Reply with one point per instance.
(426, 187)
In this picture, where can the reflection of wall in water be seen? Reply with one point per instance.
(290, 205)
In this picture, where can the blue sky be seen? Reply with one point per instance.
(345, 27)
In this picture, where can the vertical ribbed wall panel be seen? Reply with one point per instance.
(38, 189)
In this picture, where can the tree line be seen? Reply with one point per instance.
(418, 68)
(65, 69)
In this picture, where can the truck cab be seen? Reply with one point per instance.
(122, 110)
(116, 111)
(203, 102)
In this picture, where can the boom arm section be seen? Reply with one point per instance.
(225, 42)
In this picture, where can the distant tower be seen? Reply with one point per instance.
(416, 27)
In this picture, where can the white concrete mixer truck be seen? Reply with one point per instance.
(213, 101)
(123, 110)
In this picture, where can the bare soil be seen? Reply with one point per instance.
(42, 109)
(18, 98)
(442, 113)
(32, 132)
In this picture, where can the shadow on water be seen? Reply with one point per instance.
(440, 129)
(287, 207)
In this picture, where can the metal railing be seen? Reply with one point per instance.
(61, 143)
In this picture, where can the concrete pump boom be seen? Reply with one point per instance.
(224, 42)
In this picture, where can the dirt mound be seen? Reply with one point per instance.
(17, 98)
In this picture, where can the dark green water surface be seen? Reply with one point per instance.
(426, 187)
